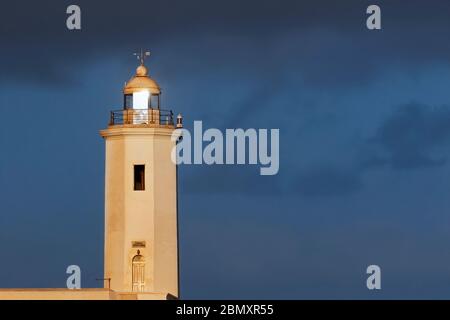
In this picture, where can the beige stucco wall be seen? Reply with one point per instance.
(55, 294)
(76, 294)
(149, 215)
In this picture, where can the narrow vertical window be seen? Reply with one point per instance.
(139, 177)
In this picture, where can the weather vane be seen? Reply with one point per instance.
(142, 55)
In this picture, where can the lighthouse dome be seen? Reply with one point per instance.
(141, 82)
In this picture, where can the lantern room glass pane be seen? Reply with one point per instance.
(128, 101)
(141, 100)
(154, 101)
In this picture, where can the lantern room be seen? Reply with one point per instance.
(141, 91)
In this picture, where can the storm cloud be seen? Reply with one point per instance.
(414, 136)
(261, 37)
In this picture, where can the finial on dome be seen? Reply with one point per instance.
(141, 71)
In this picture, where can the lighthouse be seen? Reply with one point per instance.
(141, 236)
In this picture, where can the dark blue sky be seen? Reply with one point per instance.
(364, 120)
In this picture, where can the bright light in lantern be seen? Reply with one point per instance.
(140, 99)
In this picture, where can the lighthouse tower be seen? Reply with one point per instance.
(141, 251)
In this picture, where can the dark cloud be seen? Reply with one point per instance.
(414, 136)
(324, 41)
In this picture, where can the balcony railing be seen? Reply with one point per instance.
(149, 117)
